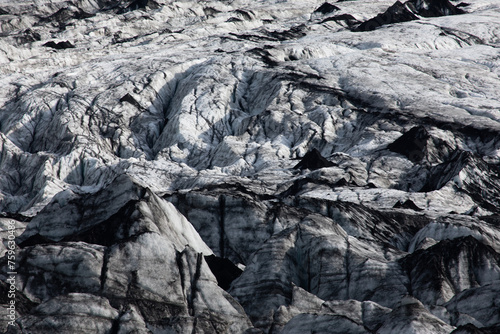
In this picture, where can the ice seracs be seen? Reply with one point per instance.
(251, 166)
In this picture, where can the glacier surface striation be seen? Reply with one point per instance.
(241, 166)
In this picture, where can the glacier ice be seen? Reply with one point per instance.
(251, 166)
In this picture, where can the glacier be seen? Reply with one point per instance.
(240, 166)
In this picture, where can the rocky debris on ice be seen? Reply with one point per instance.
(409, 11)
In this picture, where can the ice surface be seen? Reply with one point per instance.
(354, 175)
